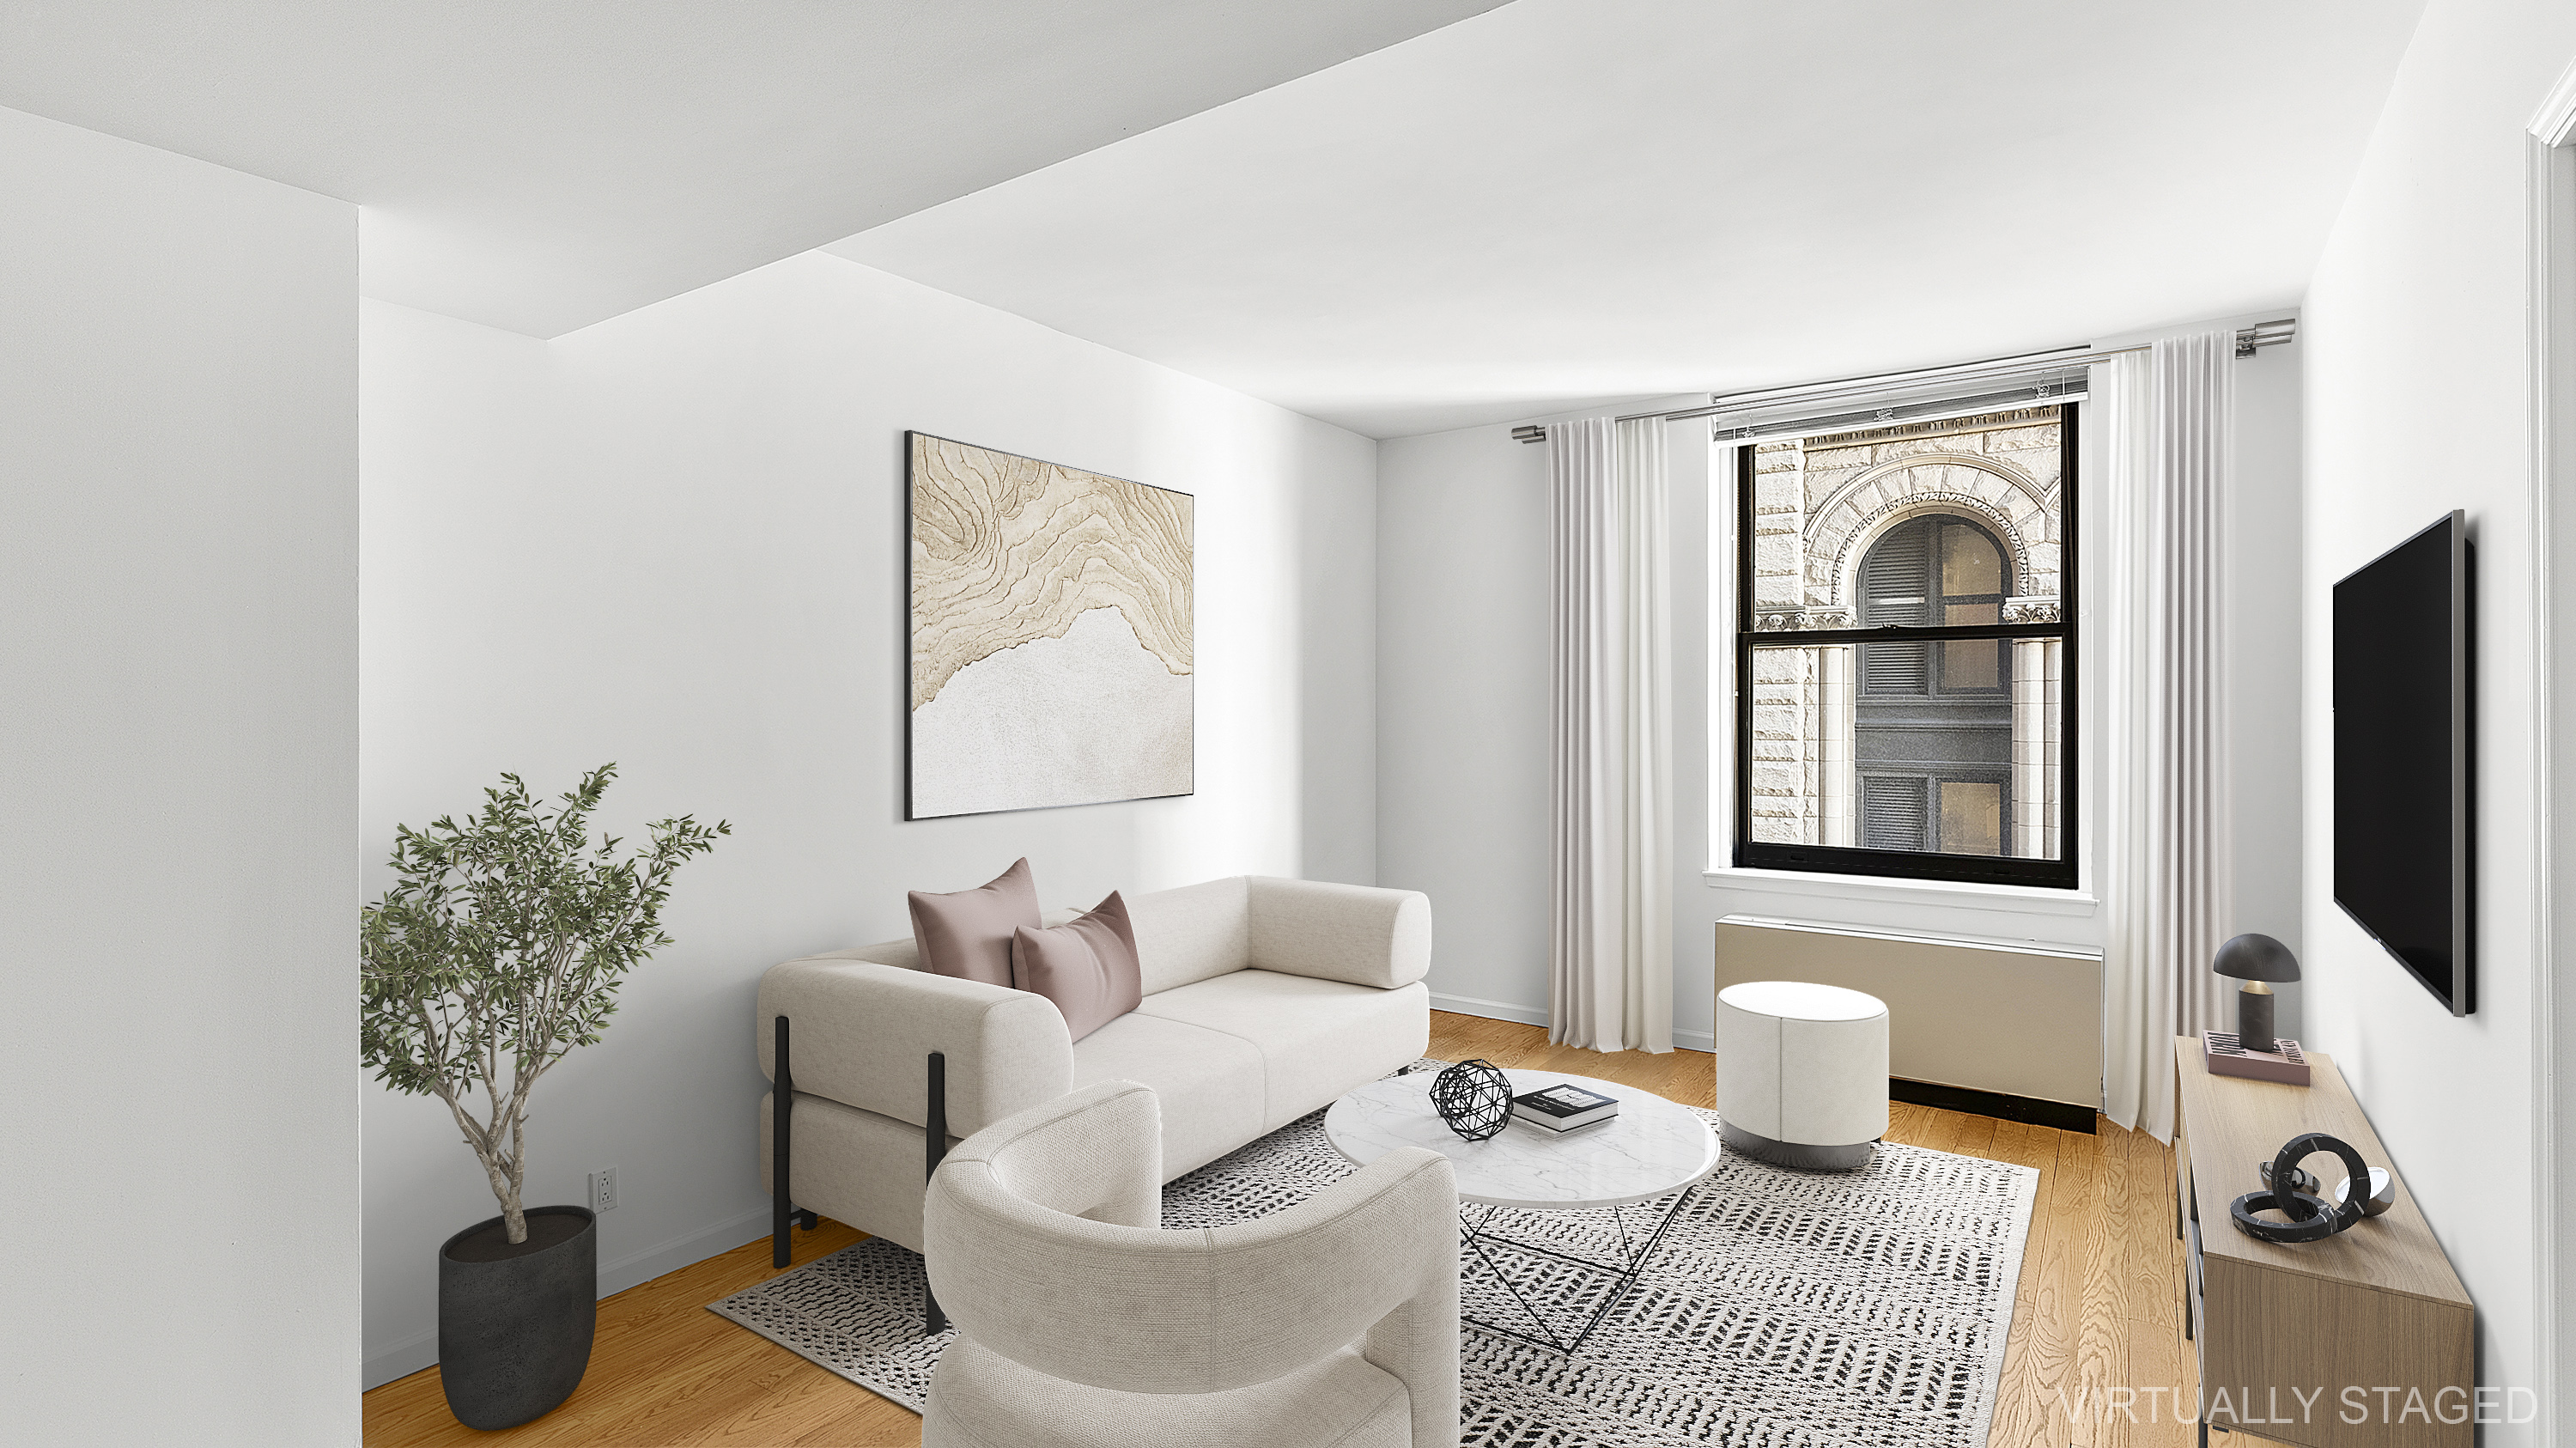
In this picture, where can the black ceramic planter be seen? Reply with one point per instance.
(514, 1332)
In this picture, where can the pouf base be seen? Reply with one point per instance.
(1797, 1155)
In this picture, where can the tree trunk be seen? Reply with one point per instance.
(505, 1187)
(504, 1177)
(514, 1220)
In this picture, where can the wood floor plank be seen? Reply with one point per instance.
(2152, 1296)
(1940, 1131)
(2105, 1278)
(1975, 1136)
(1907, 1122)
(2094, 1366)
(2149, 1297)
(665, 1371)
(2036, 1353)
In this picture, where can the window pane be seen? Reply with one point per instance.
(1885, 525)
(1972, 817)
(1973, 663)
(1970, 562)
(1844, 753)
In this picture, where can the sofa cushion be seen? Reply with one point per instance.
(840, 1165)
(1210, 1083)
(1087, 966)
(1191, 933)
(1317, 1038)
(967, 933)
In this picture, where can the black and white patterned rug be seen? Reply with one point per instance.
(1783, 1309)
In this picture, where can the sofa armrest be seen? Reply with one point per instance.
(1355, 933)
(885, 952)
(861, 1031)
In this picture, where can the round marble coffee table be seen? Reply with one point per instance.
(1652, 1150)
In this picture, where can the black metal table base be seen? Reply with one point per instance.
(1635, 1250)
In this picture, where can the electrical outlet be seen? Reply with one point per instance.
(603, 1190)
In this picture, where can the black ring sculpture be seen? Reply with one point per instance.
(2311, 1219)
(1475, 1099)
(2300, 1180)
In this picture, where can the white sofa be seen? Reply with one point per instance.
(1264, 1000)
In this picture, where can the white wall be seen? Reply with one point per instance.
(1462, 711)
(676, 540)
(1462, 707)
(2417, 403)
(2266, 577)
(178, 983)
(1462, 647)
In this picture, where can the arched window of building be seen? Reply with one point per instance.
(1936, 570)
(1933, 725)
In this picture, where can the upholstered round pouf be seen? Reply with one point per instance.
(1802, 1073)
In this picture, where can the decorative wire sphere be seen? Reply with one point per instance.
(1474, 1097)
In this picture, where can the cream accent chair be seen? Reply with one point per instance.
(1082, 1324)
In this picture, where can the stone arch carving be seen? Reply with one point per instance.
(2009, 501)
(1914, 505)
(2005, 472)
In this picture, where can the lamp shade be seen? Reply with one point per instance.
(2256, 957)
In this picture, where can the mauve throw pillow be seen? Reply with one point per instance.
(1087, 966)
(967, 934)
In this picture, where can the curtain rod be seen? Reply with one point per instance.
(2261, 334)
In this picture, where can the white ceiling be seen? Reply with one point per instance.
(1543, 205)
(1561, 201)
(540, 166)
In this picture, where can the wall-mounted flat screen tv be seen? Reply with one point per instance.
(2403, 691)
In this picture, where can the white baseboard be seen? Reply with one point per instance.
(632, 1270)
(1489, 1010)
(637, 1268)
(399, 1361)
(1537, 1016)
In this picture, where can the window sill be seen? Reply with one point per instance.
(1956, 894)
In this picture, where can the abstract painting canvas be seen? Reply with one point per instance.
(1051, 659)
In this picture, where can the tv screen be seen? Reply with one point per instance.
(2402, 861)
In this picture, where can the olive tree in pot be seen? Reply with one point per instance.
(499, 948)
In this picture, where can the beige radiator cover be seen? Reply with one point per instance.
(1992, 1015)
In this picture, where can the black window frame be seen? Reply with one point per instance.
(2057, 874)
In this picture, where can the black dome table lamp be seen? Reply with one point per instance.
(2259, 961)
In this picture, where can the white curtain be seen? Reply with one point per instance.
(2165, 878)
(1610, 958)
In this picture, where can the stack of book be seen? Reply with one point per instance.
(1564, 1107)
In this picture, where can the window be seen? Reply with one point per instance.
(1905, 650)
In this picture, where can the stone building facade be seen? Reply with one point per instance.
(1822, 508)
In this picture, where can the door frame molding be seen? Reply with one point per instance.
(2550, 320)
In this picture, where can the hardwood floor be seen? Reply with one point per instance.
(2100, 1287)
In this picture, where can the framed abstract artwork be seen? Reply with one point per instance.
(1051, 635)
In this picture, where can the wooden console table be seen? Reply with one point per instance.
(2278, 1326)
